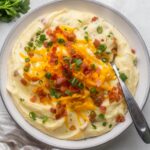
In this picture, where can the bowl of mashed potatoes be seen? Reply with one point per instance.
(56, 77)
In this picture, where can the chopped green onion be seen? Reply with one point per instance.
(42, 38)
(74, 81)
(30, 44)
(27, 49)
(22, 100)
(85, 28)
(93, 90)
(50, 43)
(68, 92)
(135, 62)
(44, 119)
(80, 20)
(54, 93)
(78, 62)
(101, 116)
(26, 68)
(104, 60)
(27, 59)
(60, 41)
(94, 126)
(102, 47)
(99, 29)
(110, 126)
(123, 77)
(104, 124)
(32, 115)
(93, 66)
(80, 85)
(48, 75)
(86, 38)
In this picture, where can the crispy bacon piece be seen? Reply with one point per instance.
(96, 43)
(33, 99)
(53, 110)
(98, 99)
(63, 88)
(41, 93)
(58, 30)
(72, 127)
(60, 111)
(49, 32)
(103, 109)
(92, 116)
(74, 89)
(86, 69)
(66, 71)
(94, 19)
(70, 36)
(133, 51)
(53, 57)
(24, 82)
(31, 54)
(34, 79)
(54, 76)
(60, 81)
(115, 94)
(120, 118)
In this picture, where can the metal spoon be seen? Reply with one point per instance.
(135, 112)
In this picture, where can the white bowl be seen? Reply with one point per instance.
(122, 24)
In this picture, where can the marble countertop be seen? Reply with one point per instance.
(138, 12)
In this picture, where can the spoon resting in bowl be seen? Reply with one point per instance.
(135, 112)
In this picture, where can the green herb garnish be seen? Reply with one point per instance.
(94, 126)
(48, 75)
(74, 81)
(104, 124)
(123, 76)
(11, 9)
(85, 28)
(77, 62)
(93, 90)
(44, 119)
(26, 68)
(101, 116)
(80, 85)
(32, 115)
(55, 93)
(22, 100)
(110, 126)
(99, 29)
(104, 60)
(50, 43)
(60, 41)
(93, 66)
(68, 92)
(27, 59)
(42, 38)
(79, 20)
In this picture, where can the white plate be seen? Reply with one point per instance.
(112, 16)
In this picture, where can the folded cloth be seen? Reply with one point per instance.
(12, 137)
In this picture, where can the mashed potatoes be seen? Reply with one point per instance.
(60, 77)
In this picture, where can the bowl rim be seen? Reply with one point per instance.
(90, 1)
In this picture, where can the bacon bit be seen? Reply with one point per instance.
(92, 116)
(102, 40)
(103, 109)
(94, 19)
(47, 85)
(53, 57)
(98, 69)
(60, 111)
(34, 79)
(33, 99)
(31, 54)
(72, 127)
(53, 38)
(49, 32)
(26, 76)
(58, 30)
(54, 76)
(98, 100)
(86, 69)
(45, 44)
(63, 88)
(70, 36)
(16, 73)
(41, 93)
(53, 110)
(96, 43)
(66, 71)
(120, 118)
(74, 89)
(115, 94)
(133, 51)
(23, 81)
(60, 80)
(68, 45)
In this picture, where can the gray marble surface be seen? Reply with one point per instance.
(138, 12)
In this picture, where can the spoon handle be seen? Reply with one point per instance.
(135, 112)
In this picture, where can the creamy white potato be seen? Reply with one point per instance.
(78, 123)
